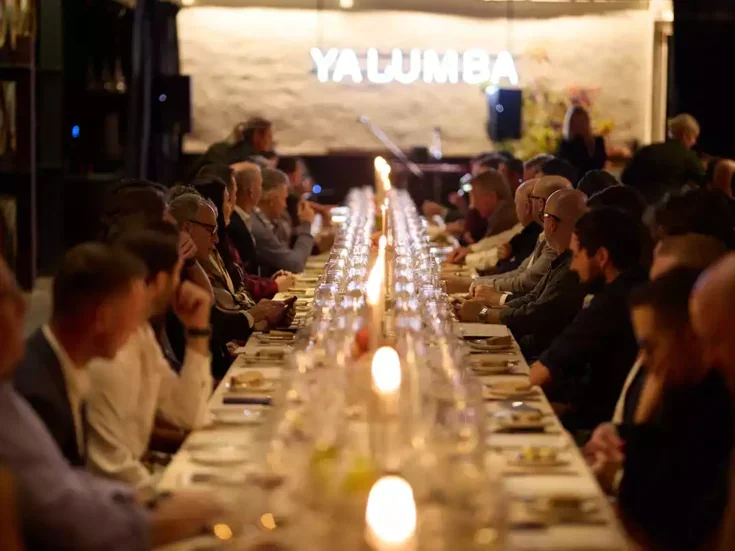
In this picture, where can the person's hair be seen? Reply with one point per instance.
(594, 181)
(157, 246)
(244, 131)
(216, 170)
(287, 164)
(683, 123)
(178, 190)
(613, 229)
(491, 161)
(514, 165)
(213, 189)
(696, 211)
(693, 250)
(668, 296)
(536, 162)
(273, 179)
(245, 176)
(90, 273)
(570, 114)
(625, 198)
(185, 207)
(492, 180)
(131, 202)
(560, 167)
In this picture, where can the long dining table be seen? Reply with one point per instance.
(521, 485)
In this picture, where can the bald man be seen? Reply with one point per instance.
(539, 316)
(497, 290)
(505, 251)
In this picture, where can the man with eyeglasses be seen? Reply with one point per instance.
(497, 290)
(536, 318)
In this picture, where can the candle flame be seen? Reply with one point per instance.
(386, 181)
(382, 242)
(386, 370)
(391, 511)
(380, 163)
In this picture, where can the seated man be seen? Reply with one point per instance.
(249, 189)
(68, 508)
(496, 290)
(98, 302)
(677, 455)
(586, 365)
(532, 167)
(539, 316)
(130, 389)
(692, 251)
(235, 315)
(491, 205)
(484, 254)
(273, 254)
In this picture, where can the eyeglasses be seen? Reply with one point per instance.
(211, 228)
(554, 216)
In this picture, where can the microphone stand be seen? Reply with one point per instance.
(391, 146)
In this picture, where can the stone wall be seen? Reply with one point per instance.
(247, 61)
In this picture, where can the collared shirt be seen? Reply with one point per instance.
(273, 255)
(538, 317)
(62, 506)
(245, 217)
(127, 393)
(524, 278)
(522, 246)
(591, 357)
(77, 385)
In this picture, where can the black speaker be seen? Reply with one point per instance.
(504, 117)
(172, 103)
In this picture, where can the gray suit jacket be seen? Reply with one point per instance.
(524, 278)
(274, 255)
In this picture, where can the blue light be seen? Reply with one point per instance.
(317, 189)
(162, 98)
(75, 131)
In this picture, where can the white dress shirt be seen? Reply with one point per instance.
(77, 385)
(128, 391)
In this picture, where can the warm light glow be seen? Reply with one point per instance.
(382, 242)
(187, 2)
(222, 531)
(386, 183)
(390, 514)
(380, 163)
(375, 282)
(386, 370)
(346, 4)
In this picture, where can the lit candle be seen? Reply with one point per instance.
(375, 295)
(382, 170)
(384, 212)
(390, 516)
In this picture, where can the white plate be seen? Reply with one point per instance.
(226, 454)
(237, 416)
(474, 330)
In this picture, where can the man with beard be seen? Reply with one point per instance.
(586, 365)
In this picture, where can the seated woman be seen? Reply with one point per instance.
(580, 147)
(677, 454)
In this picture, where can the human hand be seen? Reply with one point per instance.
(468, 310)
(432, 208)
(268, 311)
(504, 251)
(605, 445)
(284, 282)
(183, 514)
(457, 284)
(456, 227)
(192, 305)
(280, 273)
(306, 213)
(458, 255)
(487, 294)
(187, 247)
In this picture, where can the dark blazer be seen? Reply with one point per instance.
(576, 153)
(536, 318)
(40, 381)
(677, 466)
(591, 358)
(243, 241)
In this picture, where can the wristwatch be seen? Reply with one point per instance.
(482, 316)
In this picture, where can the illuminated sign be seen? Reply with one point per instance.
(471, 66)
